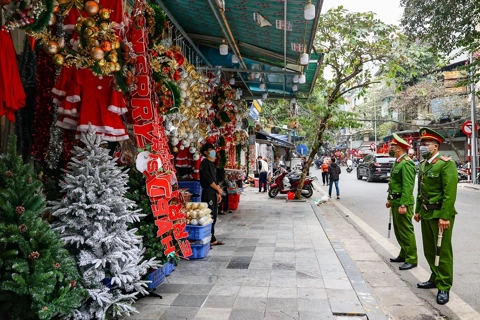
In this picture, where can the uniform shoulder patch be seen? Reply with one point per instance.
(446, 159)
(423, 160)
(408, 158)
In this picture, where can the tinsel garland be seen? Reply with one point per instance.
(155, 22)
(43, 112)
(55, 146)
(24, 116)
(223, 159)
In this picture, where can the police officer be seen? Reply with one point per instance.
(437, 192)
(401, 200)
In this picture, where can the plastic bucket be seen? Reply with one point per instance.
(290, 195)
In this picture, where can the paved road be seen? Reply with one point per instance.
(367, 200)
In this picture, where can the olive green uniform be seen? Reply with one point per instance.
(437, 192)
(400, 192)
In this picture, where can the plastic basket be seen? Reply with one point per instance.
(195, 199)
(156, 277)
(199, 251)
(234, 197)
(203, 241)
(199, 232)
(169, 268)
(232, 205)
(192, 186)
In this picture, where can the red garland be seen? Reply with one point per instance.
(43, 113)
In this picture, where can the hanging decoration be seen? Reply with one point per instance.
(30, 15)
(150, 136)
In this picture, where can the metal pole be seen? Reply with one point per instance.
(375, 123)
(473, 138)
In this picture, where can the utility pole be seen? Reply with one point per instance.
(473, 139)
(375, 121)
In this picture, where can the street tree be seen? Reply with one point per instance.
(446, 25)
(351, 44)
(429, 103)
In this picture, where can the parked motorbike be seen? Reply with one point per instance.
(284, 182)
(462, 174)
(349, 169)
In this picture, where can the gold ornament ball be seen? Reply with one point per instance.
(58, 59)
(103, 26)
(116, 45)
(89, 22)
(91, 8)
(97, 53)
(51, 47)
(89, 32)
(102, 62)
(175, 149)
(112, 66)
(113, 57)
(118, 67)
(104, 13)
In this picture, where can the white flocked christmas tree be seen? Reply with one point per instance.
(92, 220)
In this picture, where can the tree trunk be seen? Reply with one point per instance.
(451, 139)
(318, 142)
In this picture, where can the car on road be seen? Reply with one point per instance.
(375, 167)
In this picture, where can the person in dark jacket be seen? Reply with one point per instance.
(211, 190)
(334, 174)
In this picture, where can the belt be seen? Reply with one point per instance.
(432, 206)
(395, 196)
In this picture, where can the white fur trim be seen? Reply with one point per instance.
(59, 92)
(117, 110)
(102, 129)
(74, 99)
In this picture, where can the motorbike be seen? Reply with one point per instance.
(284, 182)
(462, 174)
(317, 164)
(349, 169)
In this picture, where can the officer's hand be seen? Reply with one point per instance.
(219, 198)
(443, 224)
(387, 204)
(402, 210)
(416, 217)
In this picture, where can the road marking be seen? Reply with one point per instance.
(458, 306)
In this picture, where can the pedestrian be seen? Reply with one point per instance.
(324, 168)
(435, 207)
(334, 172)
(222, 182)
(401, 201)
(211, 190)
(263, 172)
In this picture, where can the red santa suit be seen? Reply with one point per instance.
(12, 95)
(92, 100)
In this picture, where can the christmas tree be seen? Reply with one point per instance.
(38, 278)
(93, 218)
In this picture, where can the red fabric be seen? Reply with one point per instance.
(12, 95)
(91, 99)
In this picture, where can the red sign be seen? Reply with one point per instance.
(372, 146)
(467, 127)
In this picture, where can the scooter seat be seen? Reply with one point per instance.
(294, 179)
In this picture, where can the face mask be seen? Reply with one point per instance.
(212, 154)
(391, 153)
(425, 152)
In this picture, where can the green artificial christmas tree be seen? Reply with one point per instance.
(38, 278)
(93, 219)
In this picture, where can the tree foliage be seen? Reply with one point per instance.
(444, 24)
(350, 44)
(38, 278)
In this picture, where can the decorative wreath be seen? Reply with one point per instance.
(165, 62)
(97, 46)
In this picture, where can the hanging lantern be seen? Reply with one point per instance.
(223, 48)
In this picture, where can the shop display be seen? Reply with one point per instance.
(39, 279)
(92, 219)
(115, 82)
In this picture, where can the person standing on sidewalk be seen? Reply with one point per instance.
(263, 172)
(435, 207)
(324, 168)
(211, 191)
(401, 201)
(334, 175)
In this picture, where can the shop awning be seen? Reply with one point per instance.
(264, 138)
(255, 33)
